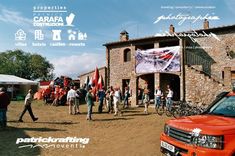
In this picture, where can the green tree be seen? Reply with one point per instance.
(25, 65)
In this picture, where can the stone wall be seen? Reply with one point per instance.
(102, 71)
(217, 51)
(202, 88)
(119, 69)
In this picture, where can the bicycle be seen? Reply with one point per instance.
(188, 109)
(160, 108)
(169, 111)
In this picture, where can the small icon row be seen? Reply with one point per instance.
(20, 35)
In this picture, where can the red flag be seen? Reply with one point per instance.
(100, 83)
(96, 78)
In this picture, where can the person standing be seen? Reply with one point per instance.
(126, 97)
(71, 99)
(57, 95)
(27, 106)
(10, 91)
(77, 100)
(46, 93)
(90, 103)
(4, 102)
(116, 101)
(146, 100)
(142, 96)
(101, 96)
(158, 94)
(109, 97)
(169, 97)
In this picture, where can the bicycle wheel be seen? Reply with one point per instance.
(168, 113)
(160, 110)
(177, 113)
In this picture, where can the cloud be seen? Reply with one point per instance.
(9, 16)
(74, 65)
(230, 4)
(16, 18)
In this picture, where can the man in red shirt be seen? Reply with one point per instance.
(46, 94)
(57, 95)
(4, 102)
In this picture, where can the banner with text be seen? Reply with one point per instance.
(158, 60)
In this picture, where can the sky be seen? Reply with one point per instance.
(102, 21)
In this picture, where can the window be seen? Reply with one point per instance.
(224, 107)
(232, 76)
(222, 74)
(127, 55)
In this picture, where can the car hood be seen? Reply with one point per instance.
(207, 124)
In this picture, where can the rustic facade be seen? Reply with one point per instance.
(207, 66)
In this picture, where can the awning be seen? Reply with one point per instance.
(14, 80)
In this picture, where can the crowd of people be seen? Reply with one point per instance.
(110, 100)
(55, 95)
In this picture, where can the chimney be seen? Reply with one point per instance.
(206, 24)
(171, 29)
(124, 36)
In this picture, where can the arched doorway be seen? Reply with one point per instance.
(146, 80)
(174, 82)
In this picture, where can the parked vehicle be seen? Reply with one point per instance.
(212, 133)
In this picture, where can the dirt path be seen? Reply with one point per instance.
(133, 134)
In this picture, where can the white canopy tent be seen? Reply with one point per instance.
(11, 79)
(17, 85)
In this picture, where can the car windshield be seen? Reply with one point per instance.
(224, 107)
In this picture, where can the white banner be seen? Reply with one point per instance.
(158, 60)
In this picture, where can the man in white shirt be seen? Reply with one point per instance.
(71, 98)
(169, 98)
(27, 106)
(158, 94)
(116, 101)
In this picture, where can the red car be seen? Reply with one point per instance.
(210, 134)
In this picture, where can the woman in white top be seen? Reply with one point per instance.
(169, 98)
(116, 101)
(158, 94)
(146, 100)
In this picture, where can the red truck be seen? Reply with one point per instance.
(211, 133)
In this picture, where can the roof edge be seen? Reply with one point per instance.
(155, 37)
(104, 67)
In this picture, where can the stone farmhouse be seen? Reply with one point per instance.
(207, 65)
